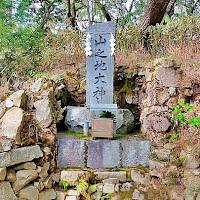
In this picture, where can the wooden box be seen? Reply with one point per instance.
(102, 128)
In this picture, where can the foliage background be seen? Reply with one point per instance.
(35, 35)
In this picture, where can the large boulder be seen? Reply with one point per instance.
(6, 192)
(43, 113)
(19, 99)
(12, 123)
(76, 116)
(21, 155)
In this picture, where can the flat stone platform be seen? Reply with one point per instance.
(123, 152)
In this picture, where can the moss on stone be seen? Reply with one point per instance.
(77, 134)
(126, 89)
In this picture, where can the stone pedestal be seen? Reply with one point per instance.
(76, 116)
(124, 152)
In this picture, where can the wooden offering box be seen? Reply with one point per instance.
(102, 128)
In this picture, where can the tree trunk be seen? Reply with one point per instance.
(170, 8)
(71, 14)
(48, 9)
(154, 12)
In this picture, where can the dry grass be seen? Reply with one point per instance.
(178, 39)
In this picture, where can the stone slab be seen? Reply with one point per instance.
(21, 155)
(103, 154)
(76, 116)
(71, 153)
(135, 153)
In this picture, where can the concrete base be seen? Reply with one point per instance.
(125, 152)
(76, 116)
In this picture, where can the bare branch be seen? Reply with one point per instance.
(194, 6)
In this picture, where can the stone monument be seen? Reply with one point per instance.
(100, 52)
(100, 49)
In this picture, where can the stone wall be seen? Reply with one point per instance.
(165, 85)
(29, 117)
(28, 143)
(174, 163)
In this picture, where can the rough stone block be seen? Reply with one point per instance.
(43, 113)
(108, 188)
(6, 192)
(156, 122)
(28, 165)
(29, 193)
(2, 173)
(24, 177)
(120, 175)
(2, 108)
(139, 178)
(12, 124)
(71, 198)
(72, 193)
(21, 155)
(170, 77)
(11, 175)
(19, 99)
(5, 144)
(43, 171)
(103, 154)
(60, 195)
(71, 153)
(125, 187)
(47, 194)
(138, 195)
(73, 177)
(135, 153)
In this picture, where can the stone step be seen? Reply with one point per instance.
(104, 153)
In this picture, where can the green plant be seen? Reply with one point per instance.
(194, 190)
(106, 114)
(65, 184)
(86, 190)
(107, 196)
(194, 121)
(179, 118)
(181, 160)
(92, 189)
(179, 114)
(82, 189)
(174, 136)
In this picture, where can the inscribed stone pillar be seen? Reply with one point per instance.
(100, 46)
